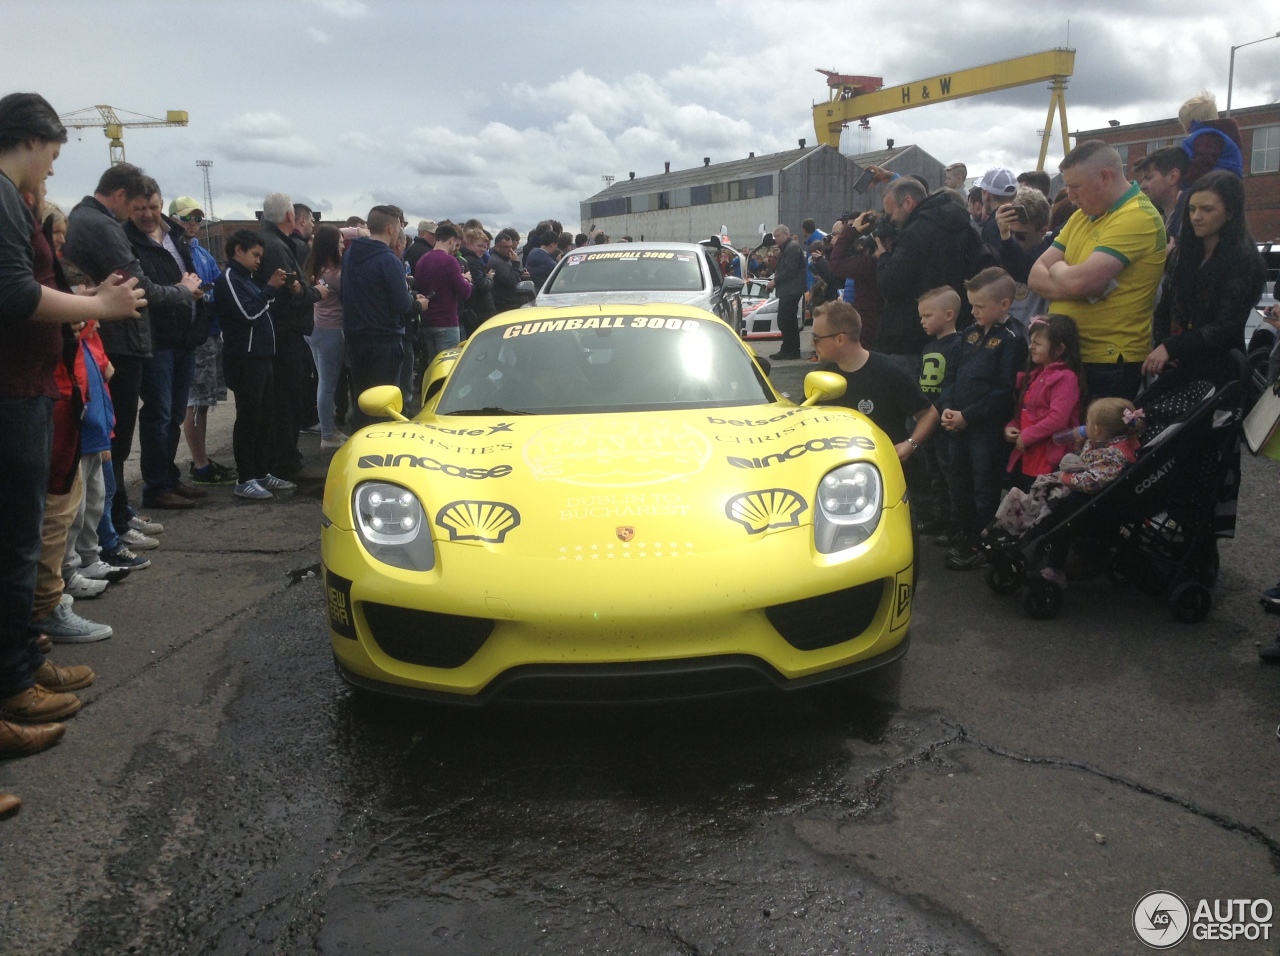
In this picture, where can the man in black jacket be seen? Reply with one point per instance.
(790, 279)
(936, 245)
(507, 271)
(97, 244)
(164, 253)
(292, 316)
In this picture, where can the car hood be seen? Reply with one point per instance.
(617, 298)
(555, 486)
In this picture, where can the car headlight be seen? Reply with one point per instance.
(850, 499)
(392, 526)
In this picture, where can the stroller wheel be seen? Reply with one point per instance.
(1190, 602)
(1116, 573)
(1004, 576)
(1042, 599)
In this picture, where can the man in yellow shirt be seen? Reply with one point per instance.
(1104, 268)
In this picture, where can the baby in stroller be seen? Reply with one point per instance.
(1110, 444)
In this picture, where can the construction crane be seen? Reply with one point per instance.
(108, 117)
(858, 98)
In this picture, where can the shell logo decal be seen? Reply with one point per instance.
(758, 511)
(478, 520)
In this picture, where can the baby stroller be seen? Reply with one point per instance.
(1156, 525)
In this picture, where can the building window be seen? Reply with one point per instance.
(1266, 150)
(1154, 144)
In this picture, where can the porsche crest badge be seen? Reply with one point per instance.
(625, 532)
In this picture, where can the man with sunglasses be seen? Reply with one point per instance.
(208, 384)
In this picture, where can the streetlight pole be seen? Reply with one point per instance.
(1231, 70)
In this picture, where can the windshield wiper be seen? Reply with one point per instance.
(489, 410)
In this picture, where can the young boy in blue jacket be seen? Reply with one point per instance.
(978, 397)
(249, 343)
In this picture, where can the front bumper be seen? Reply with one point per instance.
(484, 623)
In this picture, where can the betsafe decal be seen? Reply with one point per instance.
(432, 464)
(834, 443)
(759, 511)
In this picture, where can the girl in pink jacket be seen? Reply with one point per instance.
(1049, 399)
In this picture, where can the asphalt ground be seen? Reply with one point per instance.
(1015, 787)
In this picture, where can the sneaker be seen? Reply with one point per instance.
(253, 489)
(79, 586)
(272, 483)
(333, 441)
(62, 679)
(65, 626)
(950, 539)
(35, 705)
(145, 525)
(966, 559)
(122, 557)
(190, 492)
(135, 539)
(1271, 653)
(211, 474)
(1271, 597)
(101, 571)
(310, 430)
(784, 356)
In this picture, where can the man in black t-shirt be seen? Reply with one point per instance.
(875, 385)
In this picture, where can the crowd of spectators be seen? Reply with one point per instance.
(968, 326)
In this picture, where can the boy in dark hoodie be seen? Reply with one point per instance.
(249, 344)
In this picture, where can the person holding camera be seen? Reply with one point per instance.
(790, 281)
(852, 258)
(922, 242)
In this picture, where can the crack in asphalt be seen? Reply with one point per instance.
(659, 931)
(873, 794)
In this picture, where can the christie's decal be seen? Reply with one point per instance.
(602, 322)
(836, 443)
(799, 425)
(431, 464)
(416, 434)
(487, 521)
(759, 511)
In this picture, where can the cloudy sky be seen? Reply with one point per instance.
(512, 112)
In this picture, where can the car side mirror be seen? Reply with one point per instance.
(382, 401)
(818, 387)
(732, 284)
(526, 288)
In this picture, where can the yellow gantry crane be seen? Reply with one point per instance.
(109, 118)
(850, 102)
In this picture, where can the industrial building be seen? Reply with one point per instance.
(1260, 138)
(691, 204)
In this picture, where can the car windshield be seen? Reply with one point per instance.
(644, 270)
(602, 363)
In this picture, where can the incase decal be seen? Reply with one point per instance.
(836, 443)
(758, 511)
(478, 520)
(431, 464)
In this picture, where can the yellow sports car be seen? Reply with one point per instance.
(612, 501)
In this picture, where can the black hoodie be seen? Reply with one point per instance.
(938, 246)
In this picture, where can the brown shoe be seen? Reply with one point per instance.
(19, 741)
(62, 679)
(9, 804)
(167, 500)
(189, 492)
(35, 705)
(43, 644)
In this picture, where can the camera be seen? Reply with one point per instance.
(1020, 211)
(885, 228)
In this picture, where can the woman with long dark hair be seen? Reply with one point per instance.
(324, 267)
(1211, 284)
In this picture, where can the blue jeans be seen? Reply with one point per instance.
(978, 457)
(439, 340)
(1113, 379)
(26, 446)
(108, 537)
(329, 352)
(166, 381)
